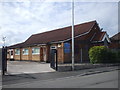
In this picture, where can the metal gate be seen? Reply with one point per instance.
(53, 61)
(4, 60)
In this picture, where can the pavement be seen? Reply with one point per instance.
(25, 67)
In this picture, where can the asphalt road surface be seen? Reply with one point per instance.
(94, 80)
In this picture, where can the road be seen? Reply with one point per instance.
(95, 80)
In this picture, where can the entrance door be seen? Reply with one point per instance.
(44, 54)
(11, 54)
(53, 62)
(41, 54)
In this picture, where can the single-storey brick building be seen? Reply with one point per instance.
(40, 47)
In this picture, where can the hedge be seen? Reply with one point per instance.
(101, 54)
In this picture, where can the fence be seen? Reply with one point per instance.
(4, 60)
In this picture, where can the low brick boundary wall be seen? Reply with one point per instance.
(68, 67)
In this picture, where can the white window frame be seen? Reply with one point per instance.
(25, 53)
(33, 53)
(18, 52)
(11, 52)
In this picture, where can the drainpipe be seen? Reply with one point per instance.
(20, 54)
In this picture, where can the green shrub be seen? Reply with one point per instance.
(101, 54)
(118, 57)
(97, 54)
(111, 57)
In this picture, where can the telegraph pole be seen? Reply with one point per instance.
(73, 35)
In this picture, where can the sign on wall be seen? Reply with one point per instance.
(66, 47)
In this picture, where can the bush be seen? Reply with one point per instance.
(118, 56)
(101, 54)
(97, 54)
(111, 57)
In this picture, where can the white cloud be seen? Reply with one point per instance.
(106, 15)
(19, 20)
(60, 0)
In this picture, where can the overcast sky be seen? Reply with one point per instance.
(19, 20)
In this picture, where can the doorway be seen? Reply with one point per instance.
(44, 54)
(53, 61)
(41, 54)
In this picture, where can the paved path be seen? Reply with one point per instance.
(25, 67)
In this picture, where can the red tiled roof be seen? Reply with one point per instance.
(115, 41)
(99, 36)
(16, 45)
(56, 35)
(59, 34)
(116, 36)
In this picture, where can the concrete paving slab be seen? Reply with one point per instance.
(24, 67)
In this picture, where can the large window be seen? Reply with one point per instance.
(25, 51)
(35, 50)
(17, 51)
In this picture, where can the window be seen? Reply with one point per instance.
(8, 52)
(11, 52)
(25, 51)
(35, 50)
(17, 51)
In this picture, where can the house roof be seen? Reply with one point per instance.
(57, 35)
(116, 36)
(99, 36)
(115, 41)
(17, 45)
